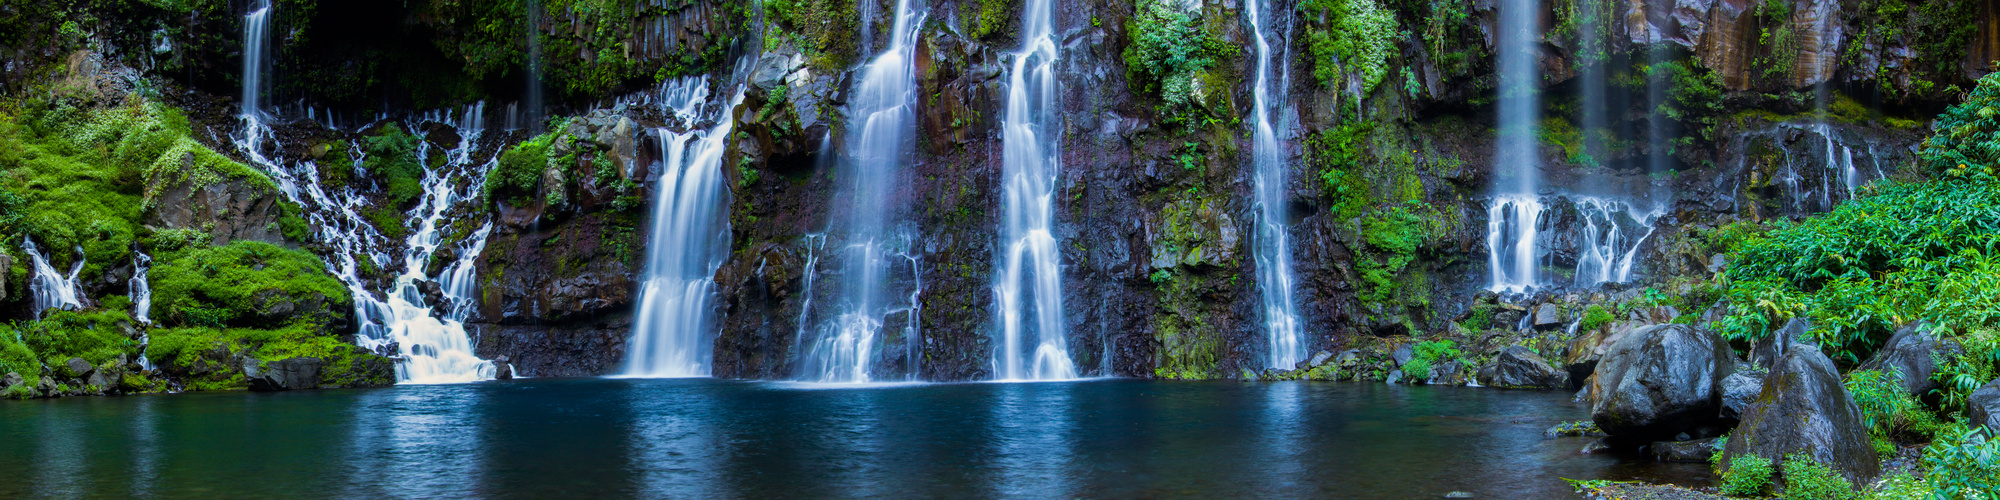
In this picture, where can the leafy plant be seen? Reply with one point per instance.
(1886, 409)
(1964, 462)
(1747, 475)
(1353, 37)
(1427, 355)
(1594, 317)
(1807, 479)
(1169, 49)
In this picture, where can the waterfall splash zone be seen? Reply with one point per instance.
(1272, 248)
(1515, 212)
(1033, 341)
(690, 238)
(51, 289)
(846, 343)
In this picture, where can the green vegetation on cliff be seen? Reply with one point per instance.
(245, 283)
(1350, 37)
(1171, 51)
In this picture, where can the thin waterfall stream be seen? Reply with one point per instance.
(1034, 343)
(52, 289)
(689, 239)
(1272, 249)
(845, 345)
(1514, 215)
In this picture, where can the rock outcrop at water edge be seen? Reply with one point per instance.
(1660, 381)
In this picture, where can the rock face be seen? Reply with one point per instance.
(1520, 368)
(1913, 351)
(1739, 390)
(1985, 405)
(284, 374)
(1766, 352)
(1804, 409)
(228, 209)
(1660, 381)
(1698, 450)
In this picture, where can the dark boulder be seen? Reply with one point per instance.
(1520, 368)
(1548, 317)
(1804, 409)
(1698, 450)
(1766, 351)
(1985, 405)
(76, 368)
(284, 374)
(1739, 390)
(11, 379)
(1403, 354)
(1659, 381)
(1913, 351)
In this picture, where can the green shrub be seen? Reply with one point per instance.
(1807, 479)
(15, 356)
(1354, 37)
(1961, 373)
(1429, 354)
(94, 336)
(392, 160)
(1747, 475)
(1964, 462)
(231, 284)
(1169, 50)
(1594, 317)
(1964, 143)
(1900, 486)
(1886, 409)
(518, 177)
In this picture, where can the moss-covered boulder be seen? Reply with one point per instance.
(248, 284)
(1804, 409)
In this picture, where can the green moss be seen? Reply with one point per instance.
(1169, 49)
(94, 336)
(392, 161)
(387, 220)
(1350, 37)
(228, 285)
(517, 179)
(1594, 317)
(17, 357)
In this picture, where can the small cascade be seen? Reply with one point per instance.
(1807, 168)
(689, 240)
(1515, 211)
(52, 290)
(1033, 342)
(255, 43)
(845, 346)
(1272, 247)
(434, 346)
(141, 292)
(1513, 240)
(1607, 249)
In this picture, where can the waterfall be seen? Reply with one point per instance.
(435, 348)
(1029, 291)
(689, 239)
(52, 290)
(141, 291)
(255, 41)
(1608, 248)
(1591, 81)
(1272, 247)
(879, 140)
(1515, 212)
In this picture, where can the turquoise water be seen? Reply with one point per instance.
(700, 438)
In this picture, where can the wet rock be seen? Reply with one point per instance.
(1659, 381)
(284, 374)
(502, 370)
(1319, 359)
(1739, 390)
(1699, 450)
(226, 210)
(106, 377)
(47, 387)
(1448, 373)
(1520, 368)
(11, 379)
(1766, 351)
(1913, 351)
(1984, 405)
(1403, 354)
(1548, 317)
(1394, 376)
(77, 368)
(1804, 409)
(1600, 445)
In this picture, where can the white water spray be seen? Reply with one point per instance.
(52, 290)
(1272, 248)
(845, 346)
(690, 239)
(1033, 342)
(1514, 214)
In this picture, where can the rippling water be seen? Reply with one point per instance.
(698, 438)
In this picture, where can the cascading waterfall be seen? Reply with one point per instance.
(690, 238)
(435, 348)
(1514, 215)
(845, 345)
(1033, 342)
(52, 290)
(1608, 249)
(141, 292)
(1272, 247)
(254, 43)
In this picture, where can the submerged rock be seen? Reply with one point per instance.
(1804, 409)
(1913, 351)
(1659, 381)
(1520, 368)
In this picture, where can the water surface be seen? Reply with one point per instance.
(700, 438)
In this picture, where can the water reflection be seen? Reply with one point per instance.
(706, 439)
